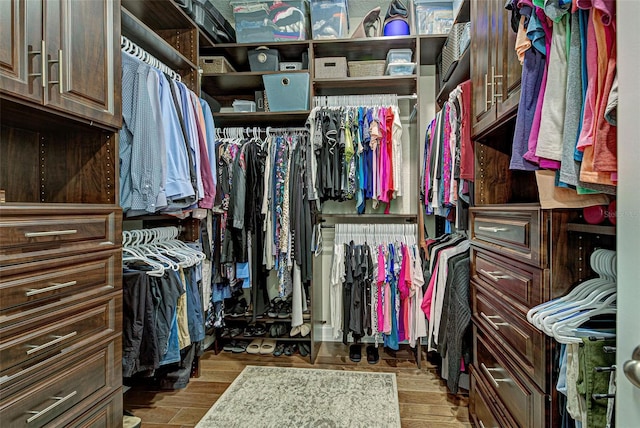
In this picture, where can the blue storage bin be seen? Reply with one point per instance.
(329, 19)
(287, 91)
(271, 21)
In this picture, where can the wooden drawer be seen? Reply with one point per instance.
(523, 284)
(30, 233)
(34, 340)
(481, 411)
(511, 231)
(68, 390)
(526, 344)
(43, 283)
(106, 414)
(524, 402)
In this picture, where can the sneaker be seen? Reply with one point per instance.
(274, 306)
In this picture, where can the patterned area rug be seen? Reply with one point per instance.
(293, 397)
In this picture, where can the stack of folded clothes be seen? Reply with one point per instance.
(265, 21)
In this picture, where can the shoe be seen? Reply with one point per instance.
(279, 349)
(295, 331)
(305, 329)
(267, 347)
(355, 353)
(372, 355)
(236, 331)
(228, 347)
(225, 333)
(240, 346)
(239, 308)
(304, 349)
(259, 329)
(277, 329)
(272, 312)
(290, 349)
(254, 346)
(285, 309)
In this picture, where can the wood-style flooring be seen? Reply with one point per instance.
(424, 401)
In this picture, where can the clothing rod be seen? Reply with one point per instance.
(139, 53)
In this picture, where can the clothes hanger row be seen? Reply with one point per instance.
(257, 133)
(374, 100)
(375, 234)
(133, 49)
(160, 249)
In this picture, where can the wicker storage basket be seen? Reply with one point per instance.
(451, 51)
(215, 64)
(331, 67)
(367, 68)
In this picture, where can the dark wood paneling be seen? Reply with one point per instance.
(19, 164)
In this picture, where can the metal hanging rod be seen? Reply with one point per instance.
(360, 100)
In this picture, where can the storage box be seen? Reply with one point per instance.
(399, 55)
(244, 106)
(433, 16)
(457, 41)
(210, 20)
(287, 91)
(215, 64)
(290, 66)
(400, 68)
(264, 59)
(329, 19)
(269, 21)
(367, 68)
(331, 67)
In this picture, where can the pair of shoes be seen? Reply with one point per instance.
(239, 309)
(274, 307)
(236, 346)
(302, 330)
(235, 331)
(304, 349)
(355, 353)
(279, 349)
(225, 333)
(290, 349)
(261, 346)
(372, 354)
(284, 310)
(277, 329)
(257, 329)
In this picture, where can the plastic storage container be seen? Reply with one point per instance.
(287, 91)
(207, 16)
(399, 55)
(329, 19)
(433, 16)
(400, 68)
(271, 21)
(240, 106)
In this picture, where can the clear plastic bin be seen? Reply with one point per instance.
(259, 21)
(329, 19)
(240, 106)
(400, 69)
(433, 16)
(399, 56)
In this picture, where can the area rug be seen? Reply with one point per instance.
(266, 397)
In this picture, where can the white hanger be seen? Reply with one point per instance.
(565, 331)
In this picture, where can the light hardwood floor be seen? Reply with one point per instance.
(424, 401)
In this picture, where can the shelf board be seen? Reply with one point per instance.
(388, 218)
(592, 228)
(401, 85)
(460, 73)
(238, 82)
(430, 48)
(139, 33)
(238, 54)
(159, 14)
(261, 118)
(372, 48)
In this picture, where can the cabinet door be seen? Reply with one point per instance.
(20, 47)
(507, 66)
(84, 58)
(483, 23)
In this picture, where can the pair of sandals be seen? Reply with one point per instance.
(261, 346)
(279, 308)
(290, 349)
(300, 330)
(258, 329)
(278, 329)
(236, 346)
(231, 332)
(355, 353)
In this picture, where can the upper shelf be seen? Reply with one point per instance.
(159, 14)
(401, 85)
(461, 72)
(430, 48)
(373, 48)
(287, 118)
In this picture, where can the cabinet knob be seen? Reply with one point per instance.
(631, 368)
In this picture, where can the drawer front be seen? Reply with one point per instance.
(526, 344)
(521, 399)
(107, 414)
(27, 237)
(513, 232)
(479, 407)
(522, 283)
(42, 283)
(66, 390)
(35, 340)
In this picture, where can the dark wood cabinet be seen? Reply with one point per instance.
(495, 69)
(63, 55)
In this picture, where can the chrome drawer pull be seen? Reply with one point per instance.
(59, 401)
(481, 424)
(487, 371)
(53, 286)
(57, 339)
(50, 233)
(495, 325)
(493, 229)
(495, 275)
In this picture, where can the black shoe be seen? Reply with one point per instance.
(274, 307)
(372, 355)
(279, 349)
(304, 349)
(355, 353)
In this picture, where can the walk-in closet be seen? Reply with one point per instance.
(257, 213)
